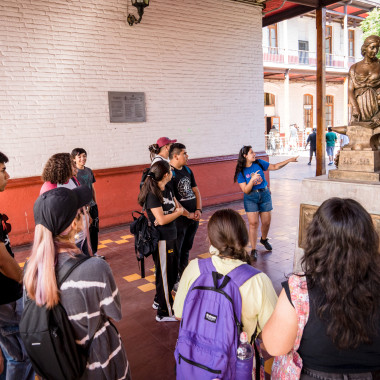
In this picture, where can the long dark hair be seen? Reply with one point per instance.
(228, 233)
(154, 149)
(156, 173)
(342, 259)
(241, 162)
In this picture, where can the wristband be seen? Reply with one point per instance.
(198, 209)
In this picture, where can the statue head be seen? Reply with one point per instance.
(369, 41)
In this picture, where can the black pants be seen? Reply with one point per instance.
(94, 228)
(166, 262)
(311, 374)
(186, 230)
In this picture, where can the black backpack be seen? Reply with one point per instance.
(146, 238)
(49, 338)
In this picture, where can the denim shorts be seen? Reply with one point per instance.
(258, 201)
(330, 150)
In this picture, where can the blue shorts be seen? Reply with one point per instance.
(330, 150)
(258, 201)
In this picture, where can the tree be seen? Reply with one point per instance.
(371, 25)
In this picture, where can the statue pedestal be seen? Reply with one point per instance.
(357, 166)
(317, 189)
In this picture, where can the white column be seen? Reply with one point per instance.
(285, 41)
(345, 38)
(285, 121)
(345, 101)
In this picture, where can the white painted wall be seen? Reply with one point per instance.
(199, 64)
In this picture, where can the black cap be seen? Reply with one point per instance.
(57, 208)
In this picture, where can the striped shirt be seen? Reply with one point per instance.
(90, 297)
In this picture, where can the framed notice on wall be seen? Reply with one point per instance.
(126, 107)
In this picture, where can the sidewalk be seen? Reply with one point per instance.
(149, 344)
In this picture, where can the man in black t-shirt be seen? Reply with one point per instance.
(17, 364)
(187, 194)
(312, 139)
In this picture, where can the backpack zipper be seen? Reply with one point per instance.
(216, 371)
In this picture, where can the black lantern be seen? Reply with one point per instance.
(140, 5)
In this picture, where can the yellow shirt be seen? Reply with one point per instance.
(258, 296)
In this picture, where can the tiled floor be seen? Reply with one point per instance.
(150, 345)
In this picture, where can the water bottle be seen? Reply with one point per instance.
(244, 362)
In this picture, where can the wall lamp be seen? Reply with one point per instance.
(140, 5)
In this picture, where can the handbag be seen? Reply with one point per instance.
(146, 237)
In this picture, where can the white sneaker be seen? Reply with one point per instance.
(155, 305)
(166, 319)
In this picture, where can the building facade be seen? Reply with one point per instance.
(289, 58)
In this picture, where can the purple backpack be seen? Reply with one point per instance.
(211, 324)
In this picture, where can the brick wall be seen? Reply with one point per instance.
(199, 64)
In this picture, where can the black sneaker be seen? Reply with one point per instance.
(266, 244)
(254, 254)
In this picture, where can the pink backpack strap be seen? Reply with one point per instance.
(289, 366)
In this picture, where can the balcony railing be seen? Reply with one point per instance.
(304, 57)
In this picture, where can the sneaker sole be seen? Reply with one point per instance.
(166, 319)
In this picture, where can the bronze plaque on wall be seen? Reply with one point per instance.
(306, 215)
(126, 107)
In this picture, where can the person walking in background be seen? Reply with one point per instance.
(327, 319)
(89, 294)
(160, 150)
(162, 209)
(330, 144)
(249, 173)
(86, 177)
(15, 365)
(312, 140)
(344, 140)
(186, 192)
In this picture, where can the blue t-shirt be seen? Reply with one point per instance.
(252, 169)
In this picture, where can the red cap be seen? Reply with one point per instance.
(164, 141)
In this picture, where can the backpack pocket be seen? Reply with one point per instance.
(200, 361)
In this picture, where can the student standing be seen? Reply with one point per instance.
(160, 150)
(327, 319)
(249, 173)
(187, 194)
(330, 144)
(15, 364)
(89, 294)
(228, 235)
(162, 209)
(86, 177)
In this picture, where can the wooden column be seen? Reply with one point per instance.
(321, 91)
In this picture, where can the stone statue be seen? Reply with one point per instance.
(364, 85)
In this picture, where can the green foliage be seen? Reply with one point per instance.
(371, 25)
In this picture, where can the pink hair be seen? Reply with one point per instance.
(40, 280)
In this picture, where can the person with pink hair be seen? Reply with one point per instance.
(89, 294)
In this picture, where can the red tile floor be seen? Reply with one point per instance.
(149, 344)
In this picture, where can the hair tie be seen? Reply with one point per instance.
(151, 175)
